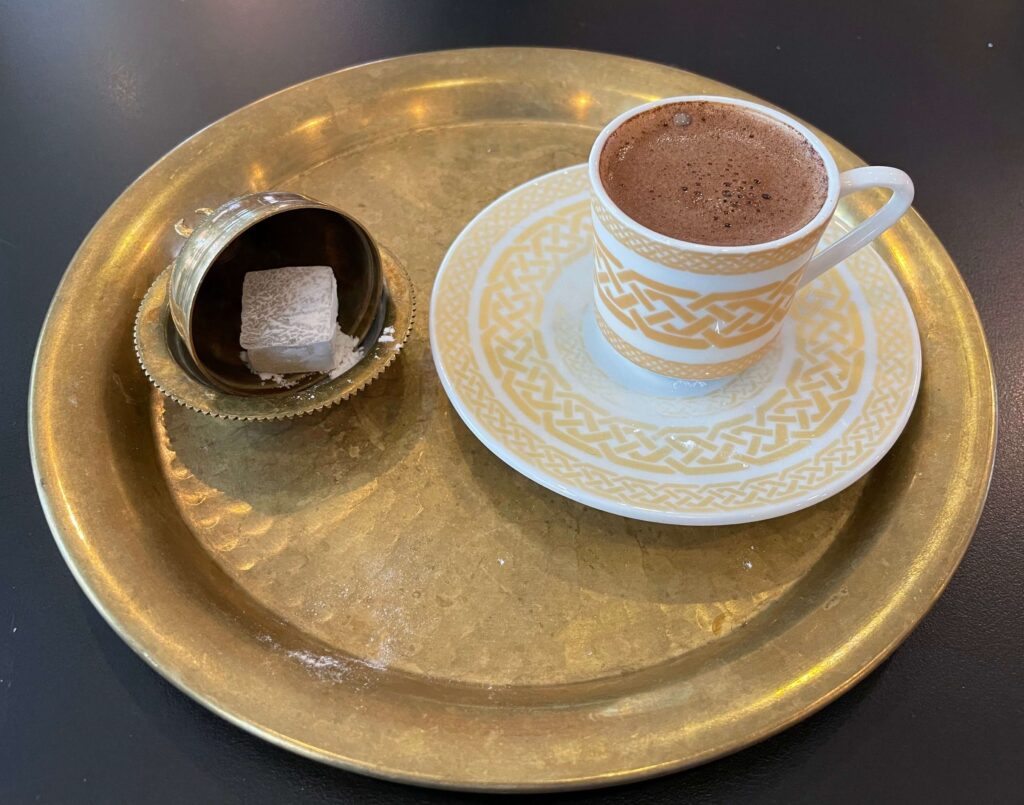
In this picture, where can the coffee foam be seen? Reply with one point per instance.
(713, 173)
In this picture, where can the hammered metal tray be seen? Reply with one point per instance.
(368, 585)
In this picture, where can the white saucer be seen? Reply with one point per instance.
(513, 341)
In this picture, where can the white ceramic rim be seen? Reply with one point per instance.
(826, 211)
(540, 476)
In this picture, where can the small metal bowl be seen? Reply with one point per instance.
(254, 232)
(188, 325)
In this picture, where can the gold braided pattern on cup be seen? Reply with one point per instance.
(699, 262)
(687, 319)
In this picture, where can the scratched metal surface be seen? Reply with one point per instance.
(368, 585)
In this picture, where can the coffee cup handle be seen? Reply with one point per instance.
(861, 235)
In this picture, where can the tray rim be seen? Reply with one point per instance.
(985, 459)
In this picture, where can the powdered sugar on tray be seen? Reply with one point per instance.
(277, 380)
(323, 666)
(327, 668)
(346, 354)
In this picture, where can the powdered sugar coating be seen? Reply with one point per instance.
(295, 306)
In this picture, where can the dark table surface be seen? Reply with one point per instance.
(92, 93)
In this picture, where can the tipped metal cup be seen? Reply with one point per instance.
(260, 231)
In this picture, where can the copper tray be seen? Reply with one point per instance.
(368, 585)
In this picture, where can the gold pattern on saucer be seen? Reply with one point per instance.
(704, 263)
(812, 403)
(167, 363)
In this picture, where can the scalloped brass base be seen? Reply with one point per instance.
(169, 367)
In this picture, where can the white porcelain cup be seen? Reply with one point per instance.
(696, 312)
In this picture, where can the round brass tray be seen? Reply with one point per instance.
(368, 585)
